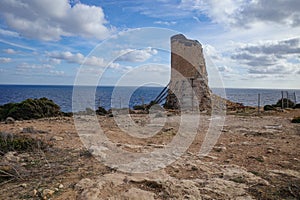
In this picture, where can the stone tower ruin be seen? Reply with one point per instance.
(189, 82)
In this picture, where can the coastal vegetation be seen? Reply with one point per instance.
(281, 103)
(30, 109)
(296, 119)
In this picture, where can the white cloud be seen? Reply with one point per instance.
(51, 19)
(159, 9)
(78, 58)
(67, 56)
(254, 43)
(8, 33)
(270, 57)
(9, 51)
(17, 45)
(95, 61)
(136, 55)
(54, 61)
(276, 11)
(90, 71)
(278, 47)
(57, 72)
(225, 69)
(218, 11)
(242, 13)
(27, 67)
(5, 60)
(167, 23)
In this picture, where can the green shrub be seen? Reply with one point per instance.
(30, 109)
(268, 107)
(296, 120)
(20, 143)
(139, 107)
(101, 111)
(286, 103)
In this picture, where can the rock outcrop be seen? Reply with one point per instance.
(189, 82)
(212, 181)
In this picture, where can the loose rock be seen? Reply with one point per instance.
(47, 193)
(9, 120)
(12, 156)
(57, 138)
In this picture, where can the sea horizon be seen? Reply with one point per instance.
(66, 85)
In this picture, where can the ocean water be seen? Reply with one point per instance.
(62, 95)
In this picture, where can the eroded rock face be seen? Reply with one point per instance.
(189, 82)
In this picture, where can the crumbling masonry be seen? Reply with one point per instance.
(189, 83)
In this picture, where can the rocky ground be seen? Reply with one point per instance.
(256, 157)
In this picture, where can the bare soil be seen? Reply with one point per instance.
(256, 157)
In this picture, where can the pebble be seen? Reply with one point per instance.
(12, 156)
(35, 192)
(47, 192)
(24, 185)
(219, 149)
(9, 120)
(57, 138)
(60, 186)
(269, 151)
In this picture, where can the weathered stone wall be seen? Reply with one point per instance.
(189, 80)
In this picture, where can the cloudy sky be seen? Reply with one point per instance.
(251, 43)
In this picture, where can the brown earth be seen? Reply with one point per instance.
(256, 157)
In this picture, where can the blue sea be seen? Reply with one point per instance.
(62, 95)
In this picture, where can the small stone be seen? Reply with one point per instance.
(258, 158)
(35, 192)
(57, 138)
(12, 156)
(219, 149)
(194, 168)
(269, 151)
(167, 129)
(60, 186)
(48, 193)
(9, 120)
(246, 143)
(24, 185)
(211, 157)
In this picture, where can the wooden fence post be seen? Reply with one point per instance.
(282, 106)
(258, 103)
(287, 99)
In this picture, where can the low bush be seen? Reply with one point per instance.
(269, 107)
(30, 109)
(286, 103)
(296, 120)
(19, 143)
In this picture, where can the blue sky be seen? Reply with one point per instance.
(251, 43)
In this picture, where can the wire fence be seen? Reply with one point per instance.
(288, 100)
